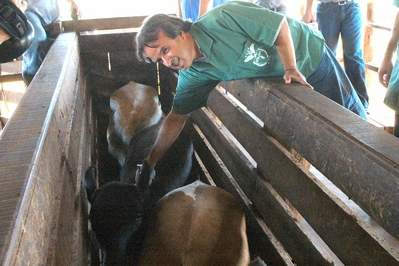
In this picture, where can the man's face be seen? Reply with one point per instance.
(178, 53)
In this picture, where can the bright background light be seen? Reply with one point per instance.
(120, 8)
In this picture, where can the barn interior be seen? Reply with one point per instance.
(319, 185)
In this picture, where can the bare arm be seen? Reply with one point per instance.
(169, 131)
(285, 48)
(203, 7)
(384, 73)
(75, 12)
(179, 14)
(21, 4)
(308, 16)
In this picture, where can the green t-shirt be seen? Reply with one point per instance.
(237, 40)
(396, 3)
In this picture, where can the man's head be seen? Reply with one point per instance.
(166, 39)
(16, 33)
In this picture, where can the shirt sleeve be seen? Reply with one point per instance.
(192, 92)
(260, 24)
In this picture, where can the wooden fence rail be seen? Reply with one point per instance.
(44, 150)
(315, 222)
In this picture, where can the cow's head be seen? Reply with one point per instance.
(116, 218)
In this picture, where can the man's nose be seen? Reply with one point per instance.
(166, 61)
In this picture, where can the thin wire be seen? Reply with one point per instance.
(158, 80)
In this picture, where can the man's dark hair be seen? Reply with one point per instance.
(153, 25)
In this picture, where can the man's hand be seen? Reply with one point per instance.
(294, 74)
(146, 174)
(384, 72)
(309, 17)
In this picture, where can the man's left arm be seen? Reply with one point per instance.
(285, 48)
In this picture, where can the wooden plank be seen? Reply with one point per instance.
(40, 127)
(102, 23)
(328, 213)
(261, 240)
(297, 237)
(123, 41)
(11, 77)
(357, 157)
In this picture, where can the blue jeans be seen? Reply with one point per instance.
(34, 56)
(330, 80)
(333, 20)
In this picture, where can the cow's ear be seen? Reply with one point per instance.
(89, 183)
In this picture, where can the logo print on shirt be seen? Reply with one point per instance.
(259, 56)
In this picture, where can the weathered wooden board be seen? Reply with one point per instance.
(326, 212)
(10, 77)
(262, 242)
(107, 42)
(301, 242)
(102, 23)
(35, 157)
(359, 158)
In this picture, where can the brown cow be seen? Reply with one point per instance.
(193, 225)
(134, 107)
(196, 225)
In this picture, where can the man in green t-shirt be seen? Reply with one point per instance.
(236, 40)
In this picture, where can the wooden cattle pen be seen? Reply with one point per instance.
(320, 186)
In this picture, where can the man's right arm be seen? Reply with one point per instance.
(169, 131)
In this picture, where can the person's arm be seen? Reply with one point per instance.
(285, 48)
(309, 16)
(170, 129)
(384, 72)
(179, 13)
(21, 4)
(4, 36)
(75, 11)
(203, 7)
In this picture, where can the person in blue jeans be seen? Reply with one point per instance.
(191, 10)
(41, 14)
(343, 17)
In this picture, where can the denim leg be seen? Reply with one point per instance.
(328, 20)
(34, 55)
(352, 47)
(330, 80)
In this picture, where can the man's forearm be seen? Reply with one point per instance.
(308, 6)
(285, 47)
(169, 131)
(393, 41)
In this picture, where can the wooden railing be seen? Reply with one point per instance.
(340, 208)
(44, 150)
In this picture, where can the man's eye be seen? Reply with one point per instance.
(165, 50)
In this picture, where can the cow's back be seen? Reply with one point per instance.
(134, 107)
(197, 225)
